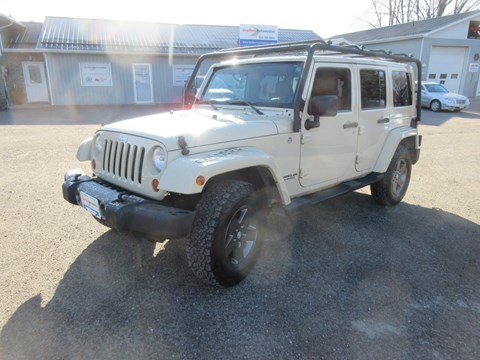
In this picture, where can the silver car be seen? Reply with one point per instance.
(437, 97)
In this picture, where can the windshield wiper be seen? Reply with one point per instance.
(243, 102)
(209, 102)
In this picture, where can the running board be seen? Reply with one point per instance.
(330, 193)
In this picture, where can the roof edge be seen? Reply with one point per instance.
(385, 40)
(474, 14)
(13, 21)
(165, 23)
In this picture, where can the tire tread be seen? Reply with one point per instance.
(380, 190)
(213, 207)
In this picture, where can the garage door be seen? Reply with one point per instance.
(446, 66)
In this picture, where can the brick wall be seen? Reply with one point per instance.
(15, 79)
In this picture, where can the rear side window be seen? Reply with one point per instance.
(373, 89)
(402, 91)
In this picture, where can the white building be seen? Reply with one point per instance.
(448, 46)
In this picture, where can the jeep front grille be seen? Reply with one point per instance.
(123, 160)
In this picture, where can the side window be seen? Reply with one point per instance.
(402, 93)
(373, 89)
(334, 81)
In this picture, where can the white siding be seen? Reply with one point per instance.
(64, 74)
(459, 31)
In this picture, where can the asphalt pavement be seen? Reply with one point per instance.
(345, 279)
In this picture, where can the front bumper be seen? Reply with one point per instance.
(456, 107)
(125, 211)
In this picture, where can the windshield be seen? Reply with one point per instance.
(259, 84)
(436, 88)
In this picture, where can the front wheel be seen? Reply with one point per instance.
(226, 233)
(393, 187)
(435, 105)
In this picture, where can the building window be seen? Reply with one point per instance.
(401, 88)
(432, 76)
(373, 89)
(34, 74)
(443, 76)
(454, 76)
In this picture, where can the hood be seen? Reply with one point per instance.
(199, 127)
(454, 96)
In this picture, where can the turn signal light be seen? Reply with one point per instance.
(200, 181)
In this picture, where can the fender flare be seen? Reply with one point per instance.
(390, 146)
(181, 174)
(84, 151)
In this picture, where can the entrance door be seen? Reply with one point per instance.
(35, 81)
(328, 151)
(142, 83)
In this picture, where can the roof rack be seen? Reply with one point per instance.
(309, 47)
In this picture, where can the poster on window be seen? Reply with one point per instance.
(474, 30)
(181, 74)
(96, 74)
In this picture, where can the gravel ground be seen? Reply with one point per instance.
(343, 280)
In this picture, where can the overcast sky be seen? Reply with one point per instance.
(324, 18)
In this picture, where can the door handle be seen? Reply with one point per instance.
(350, 125)
(383, 121)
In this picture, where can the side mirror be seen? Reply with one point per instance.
(324, 105)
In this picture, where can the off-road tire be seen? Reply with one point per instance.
(392, 188)
(230, 213)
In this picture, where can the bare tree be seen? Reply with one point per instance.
(392, 12)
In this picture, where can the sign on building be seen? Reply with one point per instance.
(252, 35)
(96, 74)
(181, 74)
(473, 67)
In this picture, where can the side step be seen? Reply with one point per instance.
(335, 191)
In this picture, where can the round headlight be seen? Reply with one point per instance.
(98, 143)
(159, 158)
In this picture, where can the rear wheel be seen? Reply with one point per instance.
(393, 187)
(435, 105)
(226, 234)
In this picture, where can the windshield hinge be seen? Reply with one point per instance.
(183, 145)
(305, 138)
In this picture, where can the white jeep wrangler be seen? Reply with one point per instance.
(271, 126)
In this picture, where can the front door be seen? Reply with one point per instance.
(328, 151)
(142, 83)
(35, 81)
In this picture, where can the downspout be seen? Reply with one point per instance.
(48, 79)
(420, 56)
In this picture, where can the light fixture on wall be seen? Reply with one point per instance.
(476, 57)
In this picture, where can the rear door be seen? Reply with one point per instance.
(374, 115)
